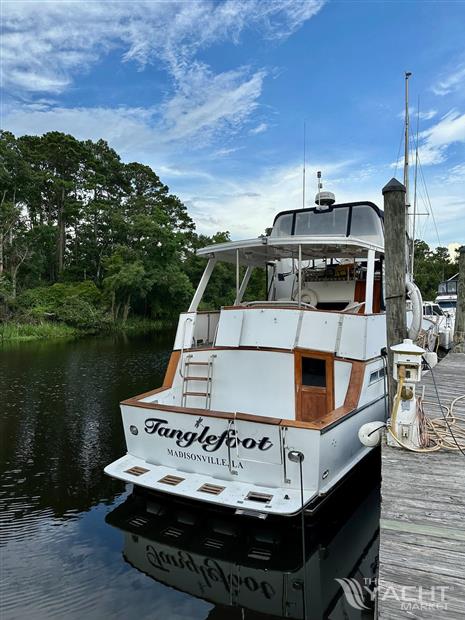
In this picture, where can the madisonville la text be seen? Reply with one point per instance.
(209, 442)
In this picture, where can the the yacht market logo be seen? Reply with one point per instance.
(409, 598)
(207, 440)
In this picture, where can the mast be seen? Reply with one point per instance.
(406, 152)
(415, 192)
(303, 171)
(406, 156)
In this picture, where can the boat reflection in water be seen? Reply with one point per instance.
(250, 568)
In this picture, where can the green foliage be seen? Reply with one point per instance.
(431, 267)
(34, 331)
(81, 314)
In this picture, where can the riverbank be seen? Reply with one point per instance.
(45, 330)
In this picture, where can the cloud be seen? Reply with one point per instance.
(246, 206)
(128, 130)
(435, 141)
(450, 129)
(207, 103)
(259, 129)
(45, 45)
(425, 115)
(450, 82)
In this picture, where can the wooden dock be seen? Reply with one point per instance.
(422, 540)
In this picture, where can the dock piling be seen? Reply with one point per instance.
(459, 329)
(395, 249)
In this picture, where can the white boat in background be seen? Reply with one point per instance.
(262, 401)
(447, 295)
(438, 326)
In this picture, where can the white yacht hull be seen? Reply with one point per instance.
(237, 463)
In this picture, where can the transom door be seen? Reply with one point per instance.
(314, 380)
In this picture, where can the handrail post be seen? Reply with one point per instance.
(300, 276)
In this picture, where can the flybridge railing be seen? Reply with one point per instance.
(354, 336)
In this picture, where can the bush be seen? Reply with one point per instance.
(79, 313)
(74, 303)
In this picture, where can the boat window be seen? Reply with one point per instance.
(322, 223)
(374, 376)
(313, 372)
(448, 288)
(366, 224)
(448, 304)
(437, 310)
(427, 311)
(283, 226)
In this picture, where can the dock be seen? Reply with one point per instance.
(422, 533)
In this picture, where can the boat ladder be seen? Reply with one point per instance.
(193, 371)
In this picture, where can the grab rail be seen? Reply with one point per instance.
(182, 346)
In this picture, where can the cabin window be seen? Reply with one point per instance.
(427, 311)
(366, 223)
(313, 372)
(448, 304)
(283, 226)
(322, 223)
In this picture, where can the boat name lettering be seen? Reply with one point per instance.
(209, 569)
(212, 460)
(209, 442)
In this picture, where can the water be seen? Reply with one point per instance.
(77, 544)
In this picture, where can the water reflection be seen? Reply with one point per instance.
(60, 422)
(59, 426)
(253, 569)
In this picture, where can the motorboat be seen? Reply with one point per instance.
(263, 399)
(438, 326)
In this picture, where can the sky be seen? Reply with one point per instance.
(214, 97)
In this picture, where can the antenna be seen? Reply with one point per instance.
(303, 171)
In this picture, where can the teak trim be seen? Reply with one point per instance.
(350, 403)
(167, 381)
(354, 390)
(284, 307)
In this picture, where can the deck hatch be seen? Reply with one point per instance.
(212, 489)
(136, 470)
(171, 480)
(262, 498)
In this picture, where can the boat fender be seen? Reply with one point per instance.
(417, 309)
(370, 434)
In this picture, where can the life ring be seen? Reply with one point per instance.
(309, 296)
